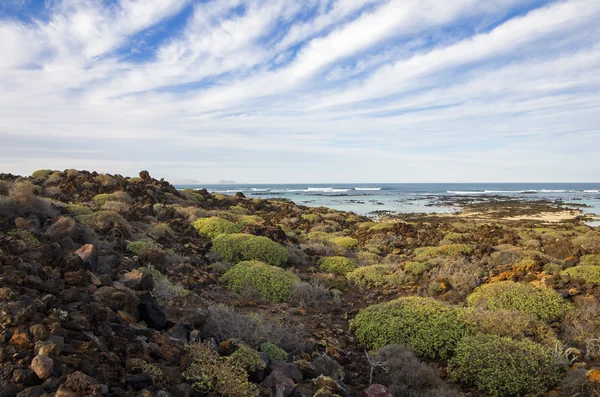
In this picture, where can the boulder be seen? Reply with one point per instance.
(42, 366)
(277, 385)
(376, 391)
(89, 255)
(33, 391)
(118, 299)
(151, 312)
(139, 381)
(65, 227)
(289, 370)
(137, 280)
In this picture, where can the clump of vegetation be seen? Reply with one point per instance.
(149, 368)
(542, 302)
(424, 253)
(510, 323)
(247, 358)
(106, 222)
(312, 218)
(309, 294)
(590, 260)
(24, 195)
(210, 373)
(274, 352)
(416, 269)
(589, 242)
(41, 174)
(164, 290)
(345, 241)
(214, 226)
(116, 206)
(239, 247)
(501, 366)
(461, 275)
(28, 238)
(430, 327)
(406, 376)
(582, 326)
(78, 209)
(138, 247)
(376, 275)
(589, 273)
(336, 264)
(103, 198)
(268, 282)
(4, 188)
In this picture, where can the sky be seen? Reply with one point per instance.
(305, 91)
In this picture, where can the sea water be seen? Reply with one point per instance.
(367, 198)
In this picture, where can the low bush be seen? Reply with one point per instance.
(164, 290)
(41, 174)
(344, 241)
(151, 369)
(590, 260)
(23, 193)
(274, 352)
(4, 188)
(239, 247)
(581, 326)
(117, 206)
(462, 275)
(137, 247)
(78, 209)
(376, 275)
(336, 264)
(327, 366)
(268, 282)
(542, 302)
(501, 366)
(589, 242)
(312, 218)
(213, 226)
(106, 222)
(309, 294)
(589, 273)
(406, 376)
(103, 198)
(510, 323)
(416, 269)
(430, 327)
(210, 373)
(424, 253)
(247, 358)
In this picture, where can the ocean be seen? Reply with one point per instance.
(367, 198)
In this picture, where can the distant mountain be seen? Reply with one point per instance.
(226, 182)
(186, 182)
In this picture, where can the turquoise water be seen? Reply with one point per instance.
(365, 199)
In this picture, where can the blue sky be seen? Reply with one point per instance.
(303, 91)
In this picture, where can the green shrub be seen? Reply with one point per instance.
(430, 327)
(453, 236)
(501, 366)
(41, 174)
(78, 209)
(312, 218)
(423, 253)
(589, 242)
(268, 282)
(416, 269)
(106, 222)
(247, 358)
(376, 275)
(28, 238)
(239, 247)
(590, 260)
(250, 220)
(164, 290)
(544, 303)
(213, 226)
(151, 369)
(210, 373)
(336, 264)
(137, 247)
(589, 273)
(103, 198)
(346, 242)
(274, 352)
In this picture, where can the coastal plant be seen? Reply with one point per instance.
(150, 368)
(247, 358)
(430, 327)
(106, 222)
(510, 323)
(336, 264)
(274, 352)
(164, 290)
(581, 326)
(24, 194)
(424, 253)
(26, 236)
(590, 260)
(211, 373)
(589, 273)
(415, 269)
(214, 226)
(270, 283)
(327, 366)
(4, 188)
(138, 247)
(103, 198)
(309, 294)
(41, 174)
(312, 218)
(239, 247)
(406, 376)
(375, 275)
(78, 209)
(501, 366)
(542, 302)
(462, 275)
(589, 242)
(116, 206)
(345, 241)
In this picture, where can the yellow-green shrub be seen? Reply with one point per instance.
(590, 260)
(106, 222)
(416, 269)
(501, 366)
(213, 226)
(103, 198)
(542, 302)
(312, 218)
(375, 275)
(336, 264)
(268, 282)
(137, 247)
(422, 253)
(78, 209)
(273, 351)
(430, 327)
(345, 241)
(41, 174)
(210, 373)
(239, 247)
(247, 358)
(589, 273)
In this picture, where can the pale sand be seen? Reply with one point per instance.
(547, 217)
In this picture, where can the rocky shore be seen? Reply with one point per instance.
(116, 286)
